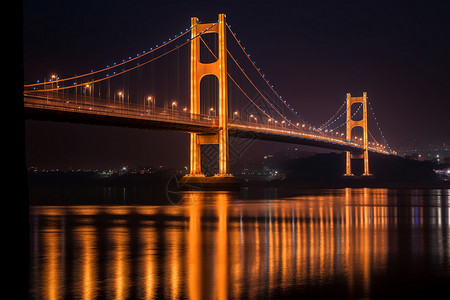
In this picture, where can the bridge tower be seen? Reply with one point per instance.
(352, 124)
(198, 71)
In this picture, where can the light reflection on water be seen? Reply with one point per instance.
(215, 245)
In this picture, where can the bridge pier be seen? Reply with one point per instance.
(198, 71)
(216, 182)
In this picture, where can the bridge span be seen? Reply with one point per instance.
(94, 111)
(98, 97)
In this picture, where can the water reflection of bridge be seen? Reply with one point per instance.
(212, 246)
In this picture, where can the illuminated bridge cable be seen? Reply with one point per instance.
(379, 129)
(359, 107)
(115, 74)
(282, 116)
(279, 97)
(130, 69)
(113, 66)
(234, 81)
(245, 94)
(239, 87)
(329, 120)
(262, 75)
(335, 120)
(372, 136)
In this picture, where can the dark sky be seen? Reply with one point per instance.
(314, 52)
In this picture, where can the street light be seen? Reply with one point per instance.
(87, 86)
(174, 104)
(211, 110)
(149, 99)
(120, 94)
(53, 77)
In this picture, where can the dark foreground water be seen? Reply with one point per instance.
(343, 243)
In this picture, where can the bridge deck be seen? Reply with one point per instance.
(292, 136)
(110, 114)
(97, 112)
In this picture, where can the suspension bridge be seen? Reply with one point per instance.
(203, 82)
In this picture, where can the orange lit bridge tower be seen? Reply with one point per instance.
(360, 123)
(217, 68)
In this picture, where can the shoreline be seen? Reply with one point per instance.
(62, 179)
(354, 184)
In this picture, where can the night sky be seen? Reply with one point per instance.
(314, 52)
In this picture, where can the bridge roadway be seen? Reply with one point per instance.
(86, 110)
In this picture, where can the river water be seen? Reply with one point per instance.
(336, 243)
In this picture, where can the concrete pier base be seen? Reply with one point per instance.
(358, 177)
(213, 183)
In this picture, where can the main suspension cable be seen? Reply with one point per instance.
(259, 90)
(379, 129)
(359, 107)
(262, 75)
(234, 81)
(329, 120)
(114, 65)
(130, 69)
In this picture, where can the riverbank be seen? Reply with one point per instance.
(350, 184)
(172, 181)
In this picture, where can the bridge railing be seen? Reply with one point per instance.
(115, 108)
(119, 108)
(303, 132)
